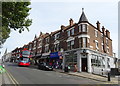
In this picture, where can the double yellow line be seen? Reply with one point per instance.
(14, 81)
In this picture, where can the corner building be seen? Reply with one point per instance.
(87, 46)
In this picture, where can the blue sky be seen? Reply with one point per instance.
(49, 16)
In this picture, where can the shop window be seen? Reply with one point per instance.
(71, 59)
(103, 62)
(97, 61)
(108, 62)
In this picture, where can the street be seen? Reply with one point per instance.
(30, 75)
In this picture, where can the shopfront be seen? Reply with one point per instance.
(56, 60)
(71, 59)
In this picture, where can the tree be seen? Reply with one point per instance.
(14, 16)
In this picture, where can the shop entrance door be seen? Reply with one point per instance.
(84, 64)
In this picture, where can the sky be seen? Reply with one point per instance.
(49, 15)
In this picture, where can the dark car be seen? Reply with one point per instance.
(44, 66)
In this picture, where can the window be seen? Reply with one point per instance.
(84, 42)
(84, 27)
(46, 49)
(56, 47)
(102, 46)
(72, 31)
(103, 62)
(96, 42)
(47, 40)
(80, 42)
(96, 33)
(68, 32)
(107, 49)
(57, 35)
(97, 61)
(108, 62)
(70, 45)
(80, 28)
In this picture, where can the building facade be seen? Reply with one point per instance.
(82, 44)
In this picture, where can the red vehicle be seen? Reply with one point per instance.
(24, 59)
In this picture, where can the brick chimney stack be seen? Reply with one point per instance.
(98, 25)
(63, 27)
(103, 30)
(71, 21)
(108, 33)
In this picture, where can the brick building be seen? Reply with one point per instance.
(82, 44)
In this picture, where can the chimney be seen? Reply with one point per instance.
(40, 33)
(71, 21)
(108, 33)
(98, 25)
(63, 27)
(103, 30)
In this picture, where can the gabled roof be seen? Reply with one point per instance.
(83, 18)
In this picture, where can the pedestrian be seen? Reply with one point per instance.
(75, 67)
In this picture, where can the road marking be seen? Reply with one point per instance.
(14, 81)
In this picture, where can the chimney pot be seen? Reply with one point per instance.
(71, 21)
(98, 25)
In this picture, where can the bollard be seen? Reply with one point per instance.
(108, 76)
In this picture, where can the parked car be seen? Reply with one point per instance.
(44, 66)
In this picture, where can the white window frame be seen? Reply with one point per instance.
(96, 33)
(84, 42)
(96, 44)
(84, 27)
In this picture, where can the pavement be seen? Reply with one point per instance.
(113, 80)
(4, 79)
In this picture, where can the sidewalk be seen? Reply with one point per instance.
(114, 80)
(4, 79)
